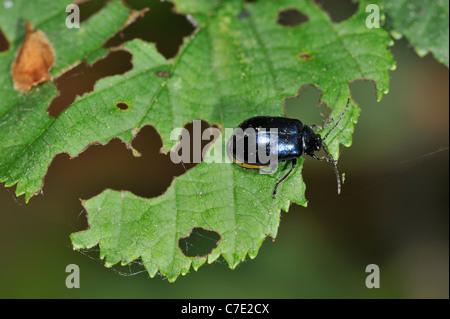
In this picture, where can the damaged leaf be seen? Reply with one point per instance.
(232, 68)
(33, 60)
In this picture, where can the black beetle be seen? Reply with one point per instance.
(258, 140)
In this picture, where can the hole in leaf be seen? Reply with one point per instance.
(113, 166)
(89, 7)
(306, 106)
(82, 78)
(291, 18)
(363, 91)
(338, 10)
(160, 25)
(199, 243)
(122, 106)
(195, 143)
(4, 43)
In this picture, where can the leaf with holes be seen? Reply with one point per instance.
(425, 23)
(242, 61)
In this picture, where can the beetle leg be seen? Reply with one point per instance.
(285, 165)
(294, 163)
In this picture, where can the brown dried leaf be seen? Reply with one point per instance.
(33, 60)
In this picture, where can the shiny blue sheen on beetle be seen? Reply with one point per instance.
(257, 139)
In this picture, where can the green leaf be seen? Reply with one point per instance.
(425, 23)
(28, 136)
(235, 66)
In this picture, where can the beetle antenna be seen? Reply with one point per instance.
(332, 161)
(337, 123)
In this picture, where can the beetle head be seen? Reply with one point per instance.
(312, 142)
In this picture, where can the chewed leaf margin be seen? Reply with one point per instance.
(233, 67)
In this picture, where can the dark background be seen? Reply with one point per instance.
(393, 211)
